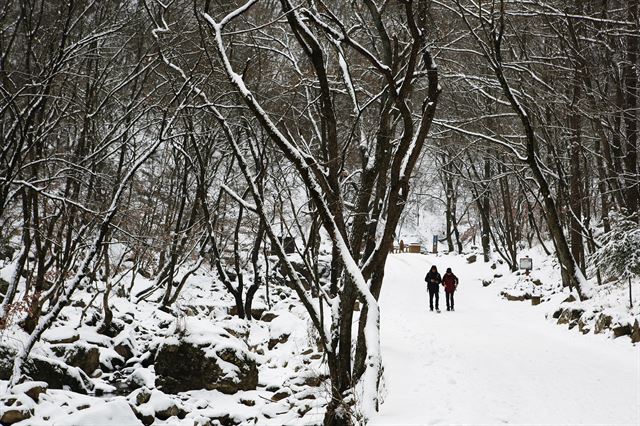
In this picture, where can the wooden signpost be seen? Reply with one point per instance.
(526, 263)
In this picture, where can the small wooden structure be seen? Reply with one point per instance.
(414, 248)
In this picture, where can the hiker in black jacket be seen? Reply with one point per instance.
(433, 280)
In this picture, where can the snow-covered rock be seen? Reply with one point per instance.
(116, 412)
(206, 357)
(149, 405)
(15, 408)
(81, 355)
(57, 374)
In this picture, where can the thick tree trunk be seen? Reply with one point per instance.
(632, 182)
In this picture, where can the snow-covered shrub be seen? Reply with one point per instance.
(619, 253)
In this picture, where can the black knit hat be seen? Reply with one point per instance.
(448, 269)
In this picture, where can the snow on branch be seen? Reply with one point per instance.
(369, 380)
(238, 198)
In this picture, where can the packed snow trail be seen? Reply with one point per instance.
(493, 361)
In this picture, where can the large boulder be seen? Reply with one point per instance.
(56, 373)
(85, 357)
(182, 365)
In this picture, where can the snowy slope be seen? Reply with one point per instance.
(494, 361)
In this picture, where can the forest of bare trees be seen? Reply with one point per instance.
(204, 133)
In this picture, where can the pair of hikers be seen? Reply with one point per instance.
(450, 283)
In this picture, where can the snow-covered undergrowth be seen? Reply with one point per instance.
(267, 371)
(607, 311)
(118, 375)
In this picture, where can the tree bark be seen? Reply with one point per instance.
(630, 77)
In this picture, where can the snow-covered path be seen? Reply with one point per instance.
(492, 361)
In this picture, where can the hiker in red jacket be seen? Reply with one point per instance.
(450, 283)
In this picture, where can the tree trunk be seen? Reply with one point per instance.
(575, 181)
(630, 76)
(485, 211)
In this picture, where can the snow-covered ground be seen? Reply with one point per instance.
(493, 361)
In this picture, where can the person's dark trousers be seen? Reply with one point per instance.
(449, 297)
(433, 293)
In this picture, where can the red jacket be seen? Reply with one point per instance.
(450, 282)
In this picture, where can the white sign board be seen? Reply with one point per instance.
(526, 263)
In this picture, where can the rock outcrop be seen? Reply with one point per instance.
(85, 357)
(56, 374)
(182, 366)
